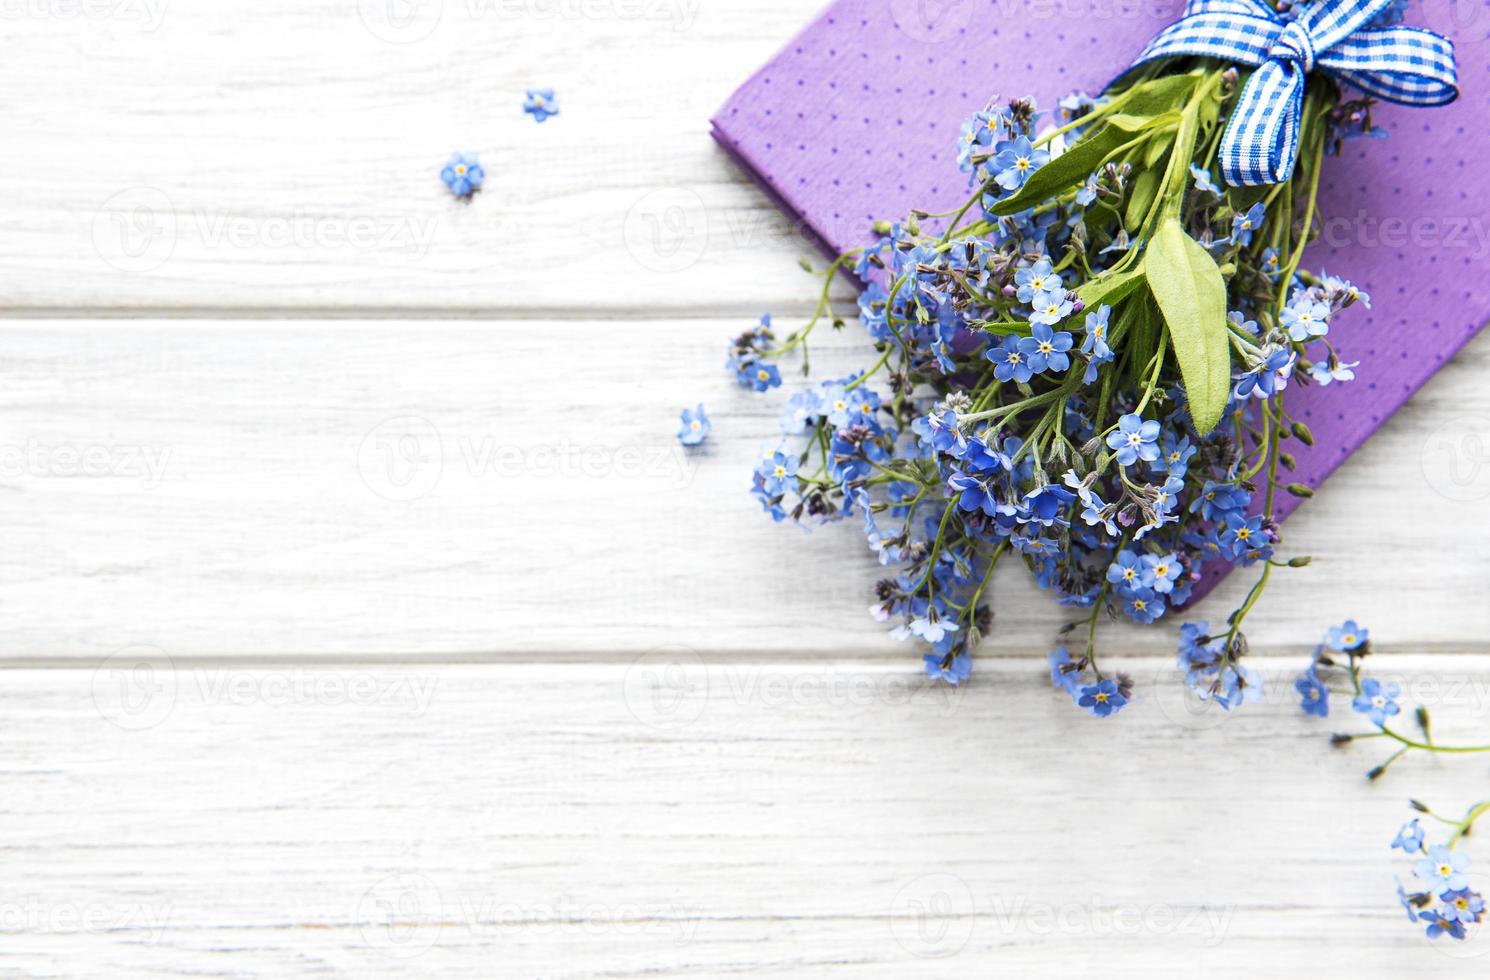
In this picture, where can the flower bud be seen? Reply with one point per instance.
(1299, 490)
(1303, 433)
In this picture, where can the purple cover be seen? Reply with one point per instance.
(856, 119)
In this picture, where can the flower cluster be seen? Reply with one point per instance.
(1443, 897)
(1082, 370)
(1340, 661)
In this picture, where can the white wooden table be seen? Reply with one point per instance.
(362, 616)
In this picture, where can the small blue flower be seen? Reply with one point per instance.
(1316, 697)
(1135, 439)
(1243, 225)
(1045, 349)
(1063, 678)
(1095, 344)
(541, 104)
(1144, 605)
(1088, 192)
(1305, 318)
(1102, 698)
(1174, 455)
(1015, 161)
(958, 670)
(1347, 636)
(1243, 535)
(1239, 685)
(1438, 926)
(778, 471)
(761, 376)
(933, 629)
(801, 409)
(1162, 571)
(1268, 372)
(1050, 308)
(1129, 572)
(1462, 905)
(1410, 837)
(1195, 653)
(1344, 292)
(1038, 278)
(1216, 500)
(1047, 504)
(1443, 869)
(1203, 181)
(463, 174)
(695, 426)
(1377, 701)
(1328, 372)
(1010, 363)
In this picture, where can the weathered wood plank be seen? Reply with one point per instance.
(286, 157)
(475, 490)
(668, 819)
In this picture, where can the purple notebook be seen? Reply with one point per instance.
(856, 118)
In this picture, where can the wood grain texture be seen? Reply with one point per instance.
(285, 156)
(670, 819)
(470, 490)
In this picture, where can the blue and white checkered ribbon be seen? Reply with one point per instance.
(1261, 143)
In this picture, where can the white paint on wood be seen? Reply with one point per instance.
(669, 819)
(475, 490)
(285, 156)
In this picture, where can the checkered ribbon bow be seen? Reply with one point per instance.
(1261, 143)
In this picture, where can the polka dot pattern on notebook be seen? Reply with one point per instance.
(854, 120)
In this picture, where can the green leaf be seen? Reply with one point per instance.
(1145, 188)
(1191, 294)
(1109, 288)
(1159, 95)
